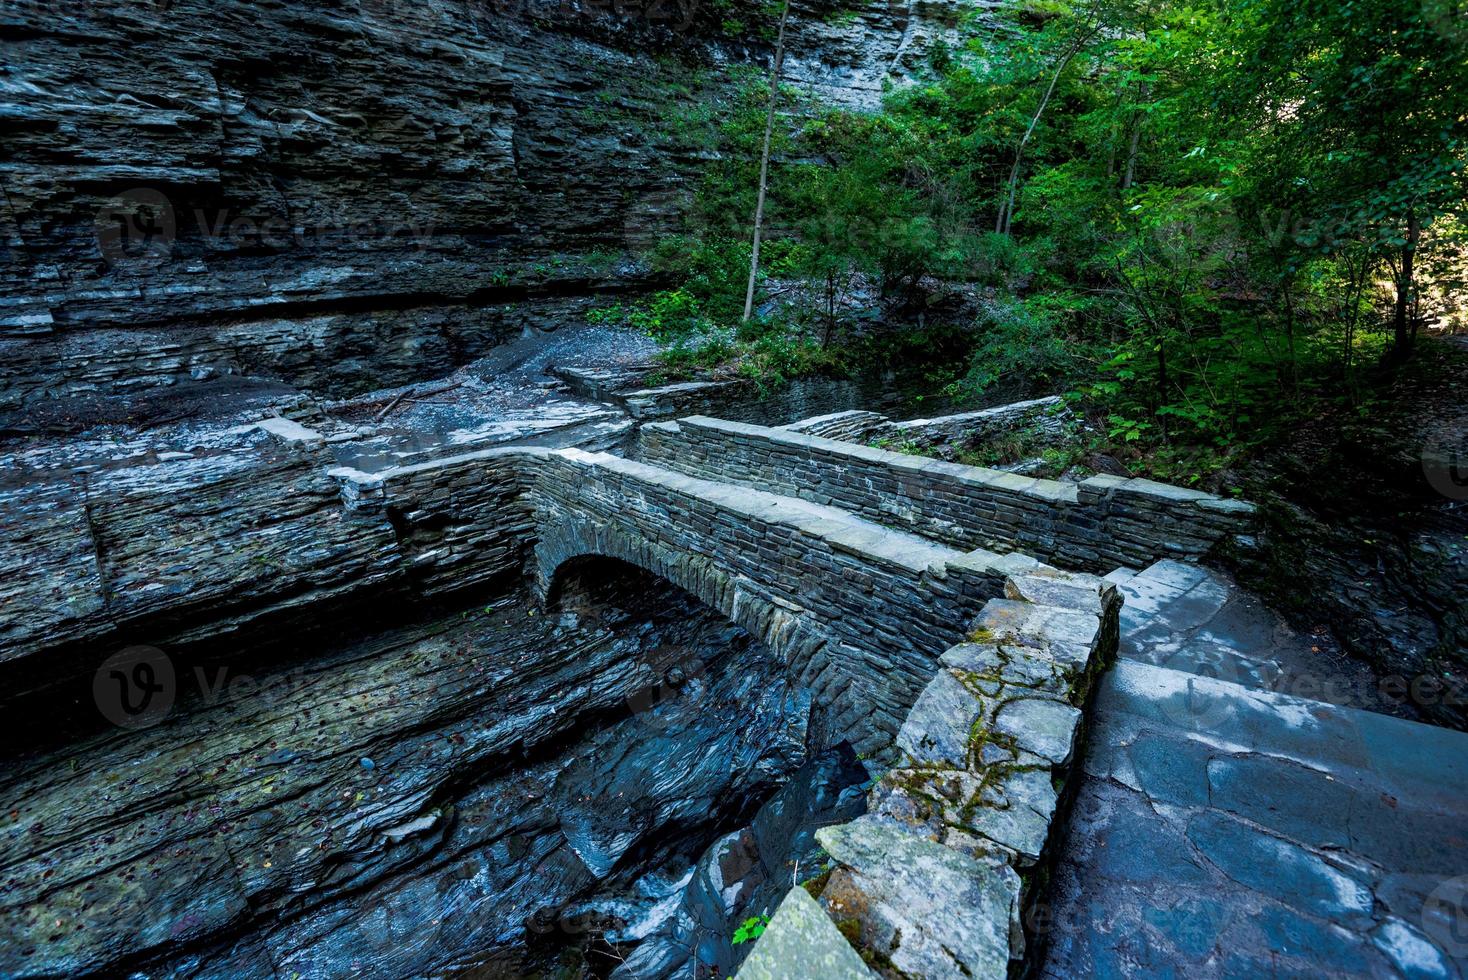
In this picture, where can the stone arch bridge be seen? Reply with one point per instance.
(857, 566)
(946, 620)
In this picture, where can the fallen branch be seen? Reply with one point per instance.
(411, 395)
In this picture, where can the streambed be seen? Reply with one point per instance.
(491, 790)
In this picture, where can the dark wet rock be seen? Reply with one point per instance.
(1290, 873)
(746, 872)
(1367, 535)
(1199, 621)
(502, 745)
(227, 534)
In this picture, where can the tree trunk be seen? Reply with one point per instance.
(1131, 156)
(1162, 382)
(1006, 207)
(1289, 305)
(764, 161)
(1401, 334)
(830, 310)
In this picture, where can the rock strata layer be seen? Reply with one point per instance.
(429, 799)
(356, 193)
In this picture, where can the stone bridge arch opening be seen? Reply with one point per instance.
(566, 549)
(593, 591)
(671, 639)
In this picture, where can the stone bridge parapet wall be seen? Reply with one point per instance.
(859, 611)
(1096, 525)
(941, 876)
(456, 522)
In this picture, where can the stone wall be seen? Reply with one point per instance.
(1046, 417)
(788, 535)
(1096, 525)
(939, 878)
(458, 522)
(859, 611)
(856, 425)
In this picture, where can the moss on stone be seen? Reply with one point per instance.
(982, 634)
(815, 886)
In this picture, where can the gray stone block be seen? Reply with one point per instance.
(938, 729)
(1046, 728)
(802, 941)
(928, 909)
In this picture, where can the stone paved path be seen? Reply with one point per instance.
(1226, 829)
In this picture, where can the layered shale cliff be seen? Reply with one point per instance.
(341, 195)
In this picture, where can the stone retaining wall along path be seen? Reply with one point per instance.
(934, 881)
(1095, 525)
(1043, 417)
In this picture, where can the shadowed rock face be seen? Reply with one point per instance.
(346, 194)
(420, 802)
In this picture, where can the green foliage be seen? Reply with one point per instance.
(751, 929)
(1025, 347)
(1216, 208)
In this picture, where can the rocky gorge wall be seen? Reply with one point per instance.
(347, 194)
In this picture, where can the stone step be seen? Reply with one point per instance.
(1232, 832)
(1408, 758)
(1121, 575)
(1172, 618)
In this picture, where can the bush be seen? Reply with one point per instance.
(1025, 347)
